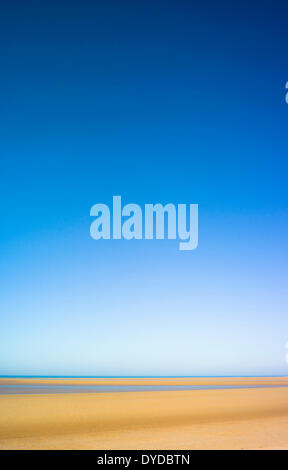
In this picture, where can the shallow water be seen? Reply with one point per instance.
(32, 389)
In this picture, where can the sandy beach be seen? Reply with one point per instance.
(246, 418)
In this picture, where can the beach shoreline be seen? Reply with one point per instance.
(196, 419)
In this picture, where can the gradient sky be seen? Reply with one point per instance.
(158, 102)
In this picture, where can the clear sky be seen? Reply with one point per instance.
(157, 102)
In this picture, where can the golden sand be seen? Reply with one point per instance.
(196, 419)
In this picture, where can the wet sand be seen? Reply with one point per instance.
(147, 381)
(251, 418)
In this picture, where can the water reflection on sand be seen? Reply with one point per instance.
(30, 389)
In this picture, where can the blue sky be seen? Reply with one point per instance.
(165, 102)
